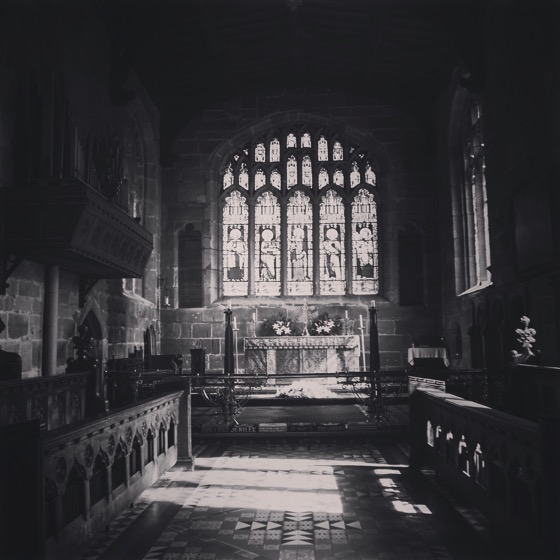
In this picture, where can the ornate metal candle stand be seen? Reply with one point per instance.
(228, 394)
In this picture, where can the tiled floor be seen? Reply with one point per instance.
(293, 498)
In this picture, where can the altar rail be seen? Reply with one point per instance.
(493, 460)
(82, 477)
(54, 401)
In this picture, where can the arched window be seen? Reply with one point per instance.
(298, 213)
(470, 213)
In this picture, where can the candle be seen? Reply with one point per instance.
(228, 304)
(254, 317)
(346, 314)
(373, 303)
(361, 322)
(235, 322)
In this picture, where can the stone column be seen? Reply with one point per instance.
(50, 320)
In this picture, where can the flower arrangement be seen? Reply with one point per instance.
(525, 337)
(305, 389)
(279, 327)
(324, 325)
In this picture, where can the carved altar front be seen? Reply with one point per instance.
(301, 354)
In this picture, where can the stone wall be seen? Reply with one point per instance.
(405, 153)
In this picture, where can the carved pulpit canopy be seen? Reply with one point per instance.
(73, 226)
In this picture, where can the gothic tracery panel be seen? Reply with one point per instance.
(235, 255)
(300, 247)
(365, 278)
(331, 251)
(267, 245)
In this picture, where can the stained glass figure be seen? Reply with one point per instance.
(323, 178)
(300, 248)
(370, 175)
(260, 179)
(338, 152)
(338, 178)
(244, 177)
(331, 251)
(235, 219)
(260, 152)
(365, 279)
(267, 245)
(275, 149)
(306, 172)
(276, 179)
(291, 141)
(291, 168)
(228, 176)
(323, 149)
(306, 140)
(355, 177)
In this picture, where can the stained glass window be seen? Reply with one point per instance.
(331, 248)
(370, 175)
(260, 178)
(260, 152)
(275, 150)
(294, 240)
(291, 169)
(306, 171)
(243, 176)
(228, 176)
(338, 178)
(472, 203)
(338, 153)
(323, 178)
(323, 149)
(267, 245)
(354, 175)
(276, 179)
(235, 263)
(300, 246)
(364, 244)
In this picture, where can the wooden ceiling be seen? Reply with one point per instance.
(192, 53)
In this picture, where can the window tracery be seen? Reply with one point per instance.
(285, 221)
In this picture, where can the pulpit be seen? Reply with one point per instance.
(301, 354)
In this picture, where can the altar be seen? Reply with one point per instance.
(301, 354)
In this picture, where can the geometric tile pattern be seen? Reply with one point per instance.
(294, 499)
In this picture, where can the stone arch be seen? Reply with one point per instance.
(216, 160)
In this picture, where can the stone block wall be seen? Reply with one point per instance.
(408, 190)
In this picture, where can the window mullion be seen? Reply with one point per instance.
(284, 247)
(316, 248)
(348, 247)
(251, 256)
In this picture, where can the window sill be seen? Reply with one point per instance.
(476, 289)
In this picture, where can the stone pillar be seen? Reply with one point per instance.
(50, 320)
(184, 429)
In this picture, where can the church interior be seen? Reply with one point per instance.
(279, 279)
